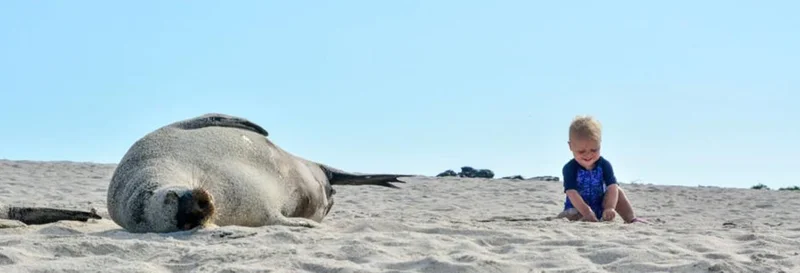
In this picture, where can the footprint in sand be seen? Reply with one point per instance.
(5, 260)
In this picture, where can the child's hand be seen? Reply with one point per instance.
(609, 214)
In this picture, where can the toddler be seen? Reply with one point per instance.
(589, 182)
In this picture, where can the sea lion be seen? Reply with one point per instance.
(21, 216)
(218, 170)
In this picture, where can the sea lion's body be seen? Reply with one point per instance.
(221, 170)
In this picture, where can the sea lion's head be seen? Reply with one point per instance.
(176, 209)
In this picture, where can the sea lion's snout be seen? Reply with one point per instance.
(195, 208)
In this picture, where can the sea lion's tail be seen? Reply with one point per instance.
(195, 208)
(44, 215)
(339, 177)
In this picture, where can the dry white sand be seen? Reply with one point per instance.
(431, 225)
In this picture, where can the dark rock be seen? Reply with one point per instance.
(485, 173)
(514, 177)
(467, 171)
(545, 178)
(471, 172)
(447, 173)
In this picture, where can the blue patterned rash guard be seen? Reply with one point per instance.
(590, 184)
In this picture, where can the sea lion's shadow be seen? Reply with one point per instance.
(219, 233)
(120, 233)
(513, 219)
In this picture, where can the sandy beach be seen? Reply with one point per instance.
(430, 225)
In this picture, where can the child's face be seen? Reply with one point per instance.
(585, 151)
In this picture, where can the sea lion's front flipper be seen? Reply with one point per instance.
(219, 120)
(38, 216)
(339, 177)
(294, 222)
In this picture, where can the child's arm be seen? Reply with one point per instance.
(570, 174)
(580, 205)
(611, 198)
(612, 193)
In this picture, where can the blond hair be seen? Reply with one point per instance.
(585, 127)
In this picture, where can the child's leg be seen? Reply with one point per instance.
(624, 207)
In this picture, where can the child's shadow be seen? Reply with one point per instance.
(512, 219)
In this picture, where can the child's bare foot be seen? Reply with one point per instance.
(571, 214)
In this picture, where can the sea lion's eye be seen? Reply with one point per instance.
(171, 198)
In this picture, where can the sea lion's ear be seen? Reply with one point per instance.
(171, 197)
(220, 120)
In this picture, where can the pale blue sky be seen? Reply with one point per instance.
(689, 92)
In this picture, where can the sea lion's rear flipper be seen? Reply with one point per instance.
(38, 216)
(219, 120)
(339, 177)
